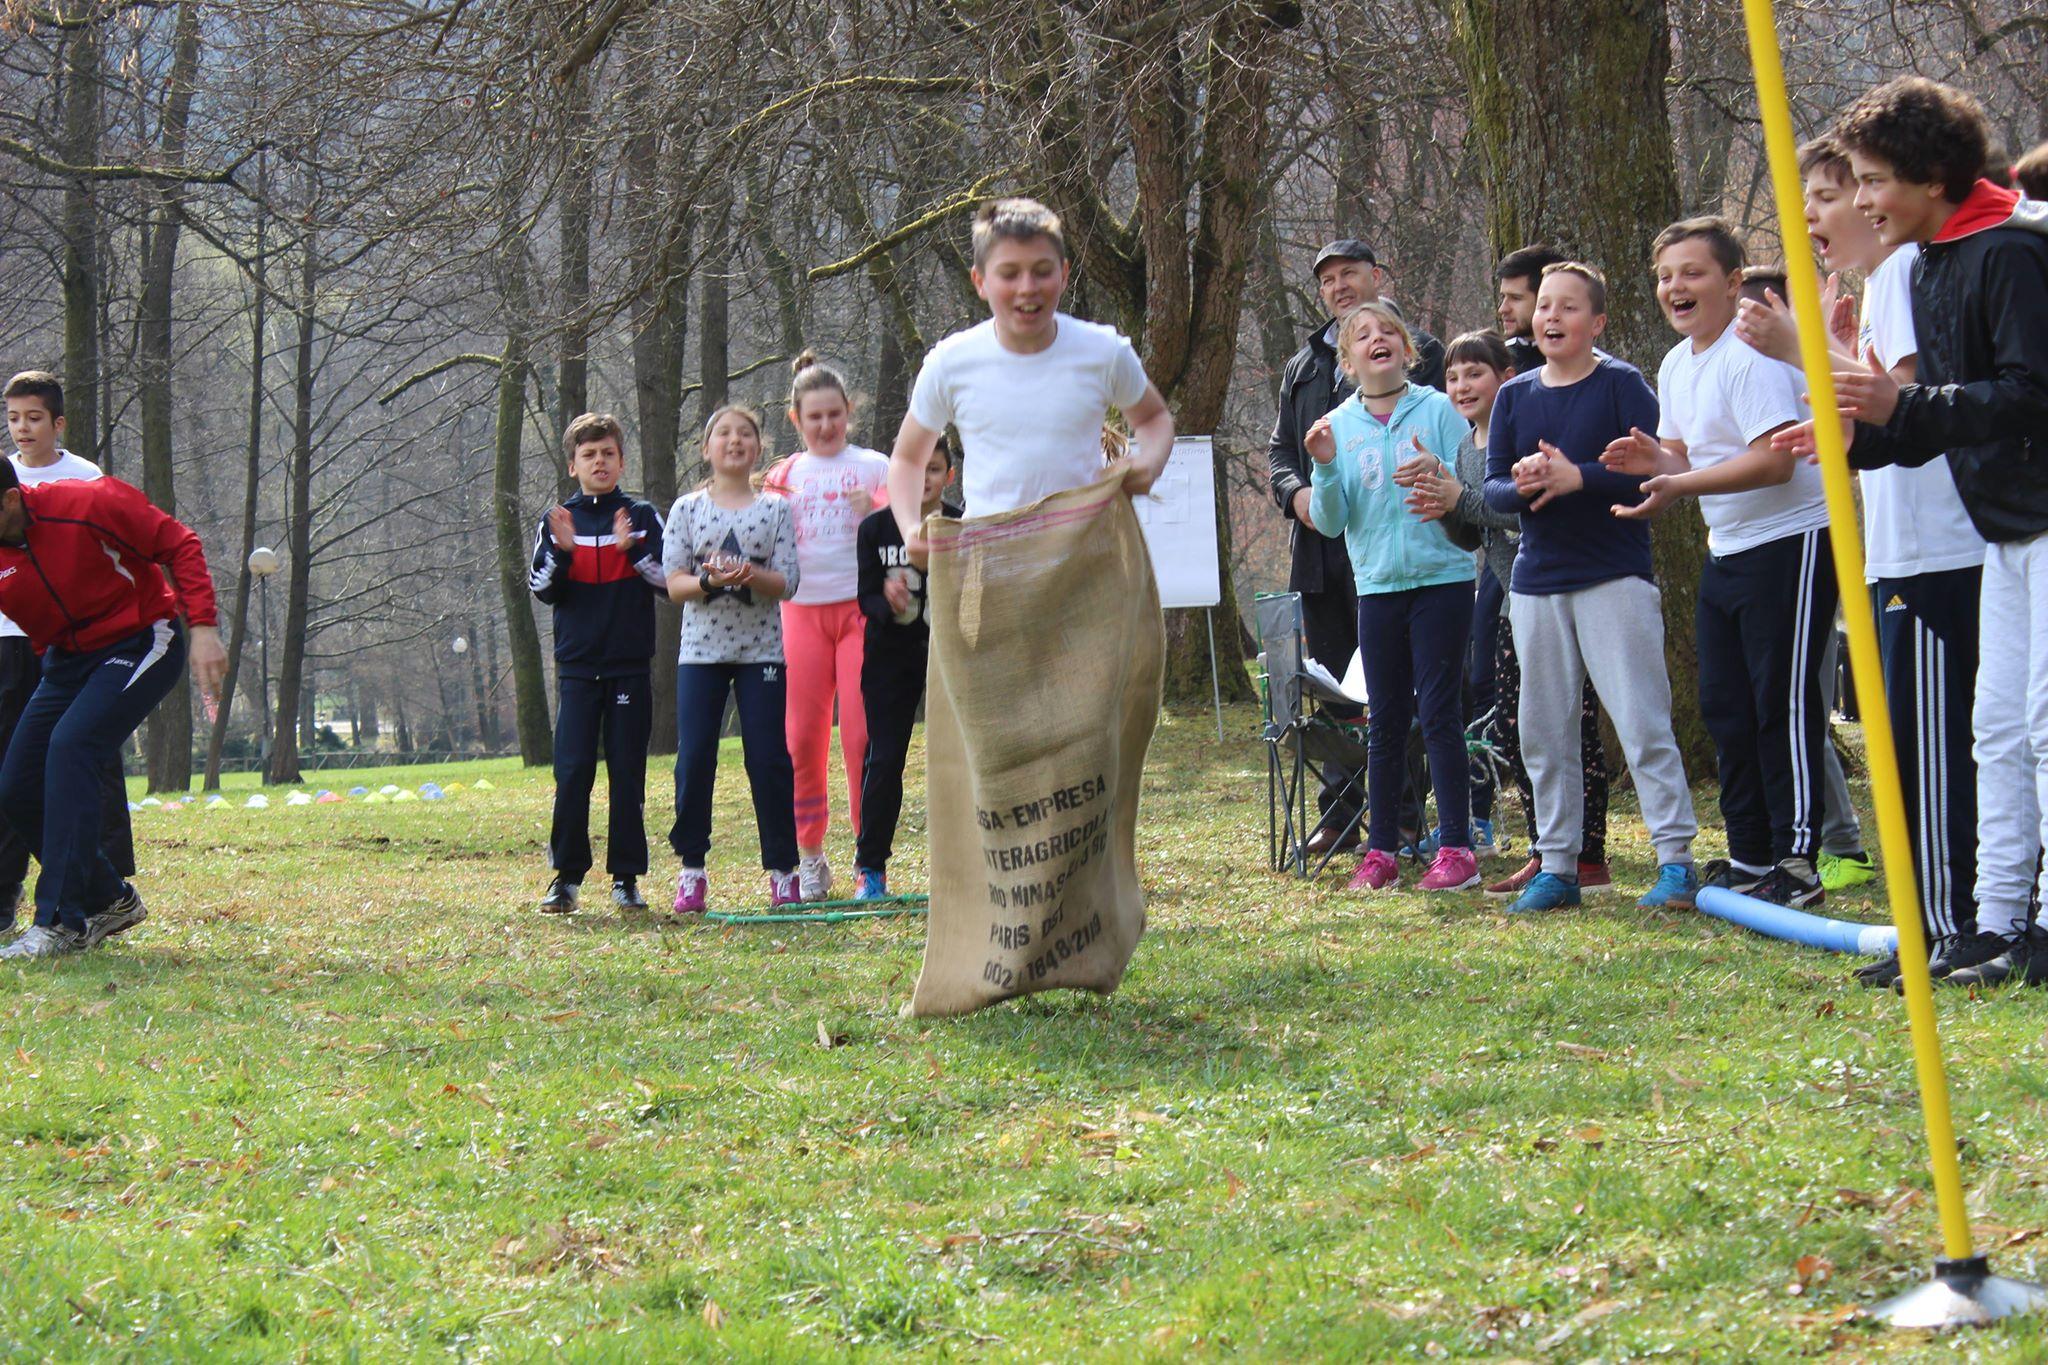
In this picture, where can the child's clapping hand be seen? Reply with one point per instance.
(1635, 453)
(1433, 491)
(1321, 441)
(1545, 475)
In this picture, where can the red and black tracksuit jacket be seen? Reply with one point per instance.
(603, 593)
(89, 572)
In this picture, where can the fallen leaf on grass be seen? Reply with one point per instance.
(1581, 1050)
(827, 1039)
(1593, 1135)
(1232, 1183)
(714, 1316)
(1808, 1271)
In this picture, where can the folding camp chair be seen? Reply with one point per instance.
(1302, 737)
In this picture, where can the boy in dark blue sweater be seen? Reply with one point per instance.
(1583, 601)
(597, 562)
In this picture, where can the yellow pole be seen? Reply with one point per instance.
(1804, 278)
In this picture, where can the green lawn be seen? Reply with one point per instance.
(346, 1094)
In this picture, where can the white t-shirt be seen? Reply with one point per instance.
(1913, 519)
(1030, 425)
(825, 506)
(1719, 400)
(65, 466)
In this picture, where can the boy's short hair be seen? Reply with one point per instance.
(1484, 347)
(1758, 279)
(1589, 275)
(1387, 314)
(1827, 156)
(1715, 232)
(1929, 133)
(1527, 263)
(590, 427)
(2031, 171)
(37, 384)
(1015, 220)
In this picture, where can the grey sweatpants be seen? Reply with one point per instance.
(1841, 832)
(1613, 632)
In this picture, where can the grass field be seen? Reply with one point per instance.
(347, 1095)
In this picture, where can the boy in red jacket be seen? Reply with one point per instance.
(79, 572)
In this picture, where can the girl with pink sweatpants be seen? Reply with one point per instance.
(830, 485)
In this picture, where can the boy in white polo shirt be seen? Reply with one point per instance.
(1028, 389)
(35, 423)
(1767, 594)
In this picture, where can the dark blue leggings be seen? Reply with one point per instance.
(1413, 647)
(82, 712)
(761, 693)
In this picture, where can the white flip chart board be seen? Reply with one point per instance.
(1179, 520)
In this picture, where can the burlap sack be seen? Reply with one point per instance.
(1047, 649)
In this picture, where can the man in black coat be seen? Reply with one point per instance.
(1347, 275)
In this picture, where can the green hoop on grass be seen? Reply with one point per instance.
(825, 912)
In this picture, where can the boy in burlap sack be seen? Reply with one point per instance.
(1047, 641)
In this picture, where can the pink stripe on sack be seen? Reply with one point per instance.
(969, 536)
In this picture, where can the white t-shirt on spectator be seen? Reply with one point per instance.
(65, 466)
(1913, 519)
(1030, 425)
(824, 503)
(1718, 401)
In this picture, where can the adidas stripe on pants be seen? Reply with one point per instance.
(1927, 637)
(1764, 616)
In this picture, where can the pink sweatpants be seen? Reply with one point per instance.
(823, 645)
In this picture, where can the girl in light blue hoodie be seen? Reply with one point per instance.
(1414, 586)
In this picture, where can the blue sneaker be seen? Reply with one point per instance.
(1423, 849)
(1677, 886)
(1482, 839)
(870, 884)
(1546, 891)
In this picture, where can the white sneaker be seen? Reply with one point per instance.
(124, 914)
(44, 941)
(814, 878)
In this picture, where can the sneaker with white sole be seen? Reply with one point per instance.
(693, 891)
(1453, 869)
(44, 940)
(784, 888)
(814, 878)
(124, 914)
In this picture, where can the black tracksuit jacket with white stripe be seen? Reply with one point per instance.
(603, 593)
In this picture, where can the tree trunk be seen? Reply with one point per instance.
(80, 110)
(486, 729)
(1574, 143)
(291, 670)
(169, 763)
(578, 196)
(529, 678)
(238, 620)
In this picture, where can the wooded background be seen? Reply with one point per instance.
(332, 277)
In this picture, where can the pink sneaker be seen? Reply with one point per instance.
(1455, 869)
(693, 888)
(1376, 872)
(784, 889)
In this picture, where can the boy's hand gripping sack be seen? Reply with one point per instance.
(1046, 657)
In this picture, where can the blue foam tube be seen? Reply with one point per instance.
(1796, 926)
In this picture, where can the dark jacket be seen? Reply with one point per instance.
(1980, 320)
(603, 593)
(879, 553)
(1311, 386)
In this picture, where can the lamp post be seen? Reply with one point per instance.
(262, 564)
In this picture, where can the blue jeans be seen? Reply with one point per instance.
(82, 712)
(762, 696)
(1413, 646)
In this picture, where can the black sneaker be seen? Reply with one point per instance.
(561, 897)
(1728, 877)
(2023, 962)
(626, 894)
(124, 914)
(1880, 975)
(1946, 955)
(1793, 884)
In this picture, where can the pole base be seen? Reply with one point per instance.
(1962, 1294)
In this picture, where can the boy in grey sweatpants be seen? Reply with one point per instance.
(1583, 602)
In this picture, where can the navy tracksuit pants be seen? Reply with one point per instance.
(1927, 634)
(21, 671)
(1764, 617)
(82, 712)
(761, 692)
(1413, 646)
(616, 714)
(891, 685)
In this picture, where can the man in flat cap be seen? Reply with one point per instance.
(1347, 274)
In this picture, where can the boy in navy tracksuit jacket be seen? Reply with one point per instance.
(597, 562)
(79, 573)
(891, 592)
